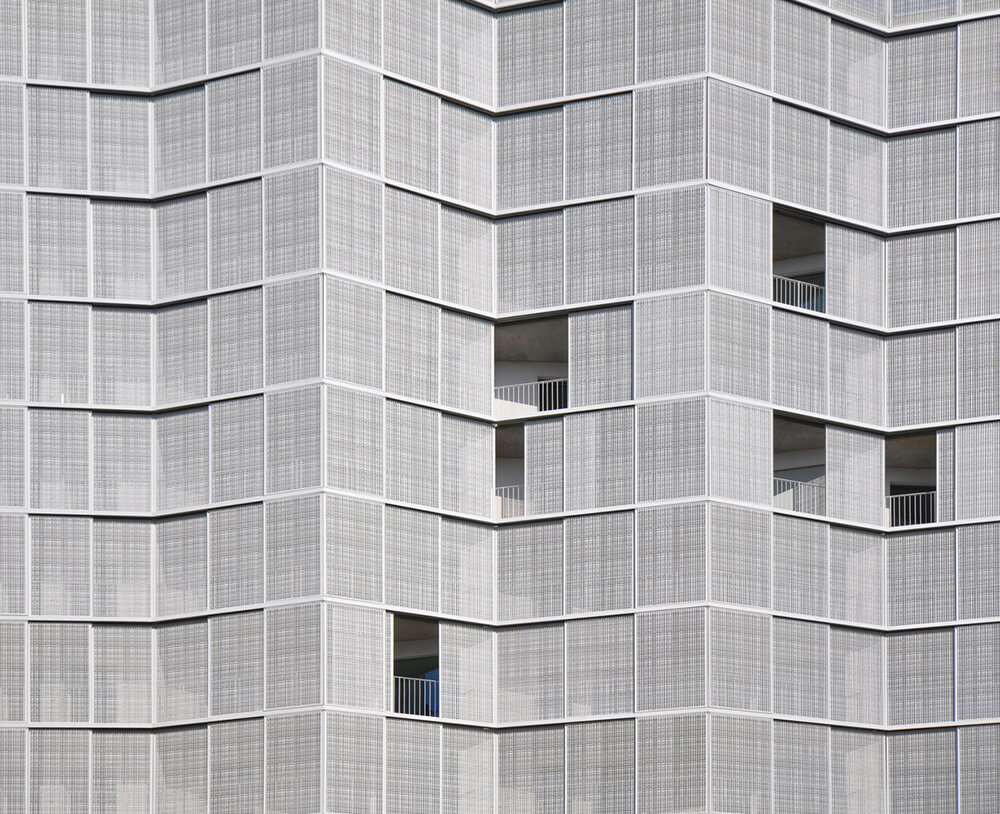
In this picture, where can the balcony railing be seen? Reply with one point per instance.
(509, 501)
(551, 394)
(799, 294)
(799, 496)
(417, 696)
(911, 509)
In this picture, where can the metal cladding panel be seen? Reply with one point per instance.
(57, 138)
(857, 66)
(978, 255)
(468, 54)
(56, 40)
(740, 552)
(467, 571)
(531, 770)
(802, 566)
(599, 250)
(978, 169)
(801, 668)
(976, 492)
(739, 137)
(922, 76)
(979, 770)
(123, 674)
(599, 664)
(178, 40)
(530, 570)
(412, 244)
(181, 565)
(60, 770)
(293, 320)
(412, 444)
(466, 477)
(356, 662)
(58, 452)
(411, 125)
(122, 467)
(920, 278)
(412, 767)
(670, 447)
(598, 41)
(57, 245)
(670, 239)
(412, 551)
(290, 112)
(855, 475)
(923, 771)
(289, 26)
(598, 153)
(920, 371)
(921, 178)
(600, 353)
(58, 363)
(233, 126)
(292, 543)
(801, 52)
(466, 362)
(350, 116)
(911, 11)
(530, 262)
(237, 443)
(978, 568)
(600, 767)
(13, 768)
(671, 761)
(293, 422)
(979, 59)
(182, 671)
(467, 155)
(741, 769)
(670, 554)
(119, 144)
(921, 577)
(236, 349)
(977, 648)
(12, 133)
(670, 659)
(669, 133)
(182, 474)
(855, 158)
(530, 54)
(855, 274)
(468, 770)
(233, 34)
(739, 660)
(921, 676)
(60, 566)
(292, 239)
(467, 259)
(798, 156)
(352, 224)
(412, 348)
(121, 348)
(354, 548)
(530, 668)
(670, 345)
(121, 567)
(599, 458)
(354, 762)
(799, 353)
(945, 450)
(13, 542)
(874, 10)
(857, 771)
(182, 771)
(120, 775)
(10, 37)
(801, 768)
(410, 38)
(179, 136)
(466, 660)
(236, 666)
(740, 465)
(857, 375)
(740, 243)
(12, 672)
(671, 39)
(598, 562)
(740, 40)
(237, 767)
(12, 238)
(293, 647)
(59, 679)
(12, 460)
(236, 556)
(181, 246)
(530, 158)
(294, 763)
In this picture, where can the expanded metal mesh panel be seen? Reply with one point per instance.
(799, 362)
(670, 39)
(60, 566)
(182, 459)
(979, 770)
(530, 262)
(907, 11)
(599, 250)
(977, 648)
(237, 767)
(467, 155)
(801, 668)
(801, 768)
(671, 759)
(978, 568)
(411, 454)
(921, 77)
(923, 771)
(122, 249)
(59, 460)
(670, 239)
(290, 111)
(599, 666)
(945, 451)
(467, 571)
(598, 41)
(740, 40)
(353, 224)
(670, 554)
(530, 158)
(12, 466)
(122, 465)
(179, 40)
(354, 438)
(121, 567)
(740, 244)
(123, 674)
(530, 570)
(856, 158)
(293, 335)
(670, 345)
(182, 771)
(57, 245)
(978, 246)
(119, 143)
(57, 138)
(921, 577)
(801, 566)
(12, 132)
(59, 679)
(531, 770)
(233, 33)
(235, 350)
(292, 238)
(873, 10)
(671, 450)
(741, 763)
(466, 362)
(669, 134)
(739, 452)
(921, 178)
(411, 558)
(121, 348)
(12, 560)
(354, 760)
(739, 136)
(921, 676)
(857, 65)
(289, 27)
(120, 776)
(350, 115)
(292, 548)
(600, 767)
(598, 150)
(599, 458)
(236, 667)
(467, 54)
(11, 673)
(56, 41)
(412, 254)
(466, 477)
(801, 52)
(182, 671)
(11, 237)
(979, 59)
(670, 659)
(468, 770)
(600, 353)
(412, 348)
(293, 422)
(976, 492)
(357, 643)
(467, 259)
(412, 767)
(10, 37)
(921, 377)
(530, 667)
(294, 656)
(294, 750)
(181, 246)
(598, 568)
(798, 156)
(411, 125)
(236, 556)
(978, 169)
(410, 39)
(237, 444)
(530, 54)
(181, 565)
(58, 364)
(179, 136)
(466, 659)
(857, 771)
(857, 375)
(739, 660)
(740, 551)
(233, 126)
(855, 475)
(920, 278)
(60, 770)
(354, 548)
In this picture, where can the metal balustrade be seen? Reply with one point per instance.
(510, 500)
(800, 496)
(911, 509)
(799, 294)
(417, 696)
(551, 394)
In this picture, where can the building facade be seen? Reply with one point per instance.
(427, 407)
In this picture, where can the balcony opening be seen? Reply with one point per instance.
(530, 367)
(799, 466)
(415, 681)
(508, 500)
(798, 252)
(911, 479)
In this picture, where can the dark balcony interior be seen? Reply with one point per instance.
(798, 254)
(416, 689)
(530, 366)
(799, 465)
(911, 479)
(509, 474)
